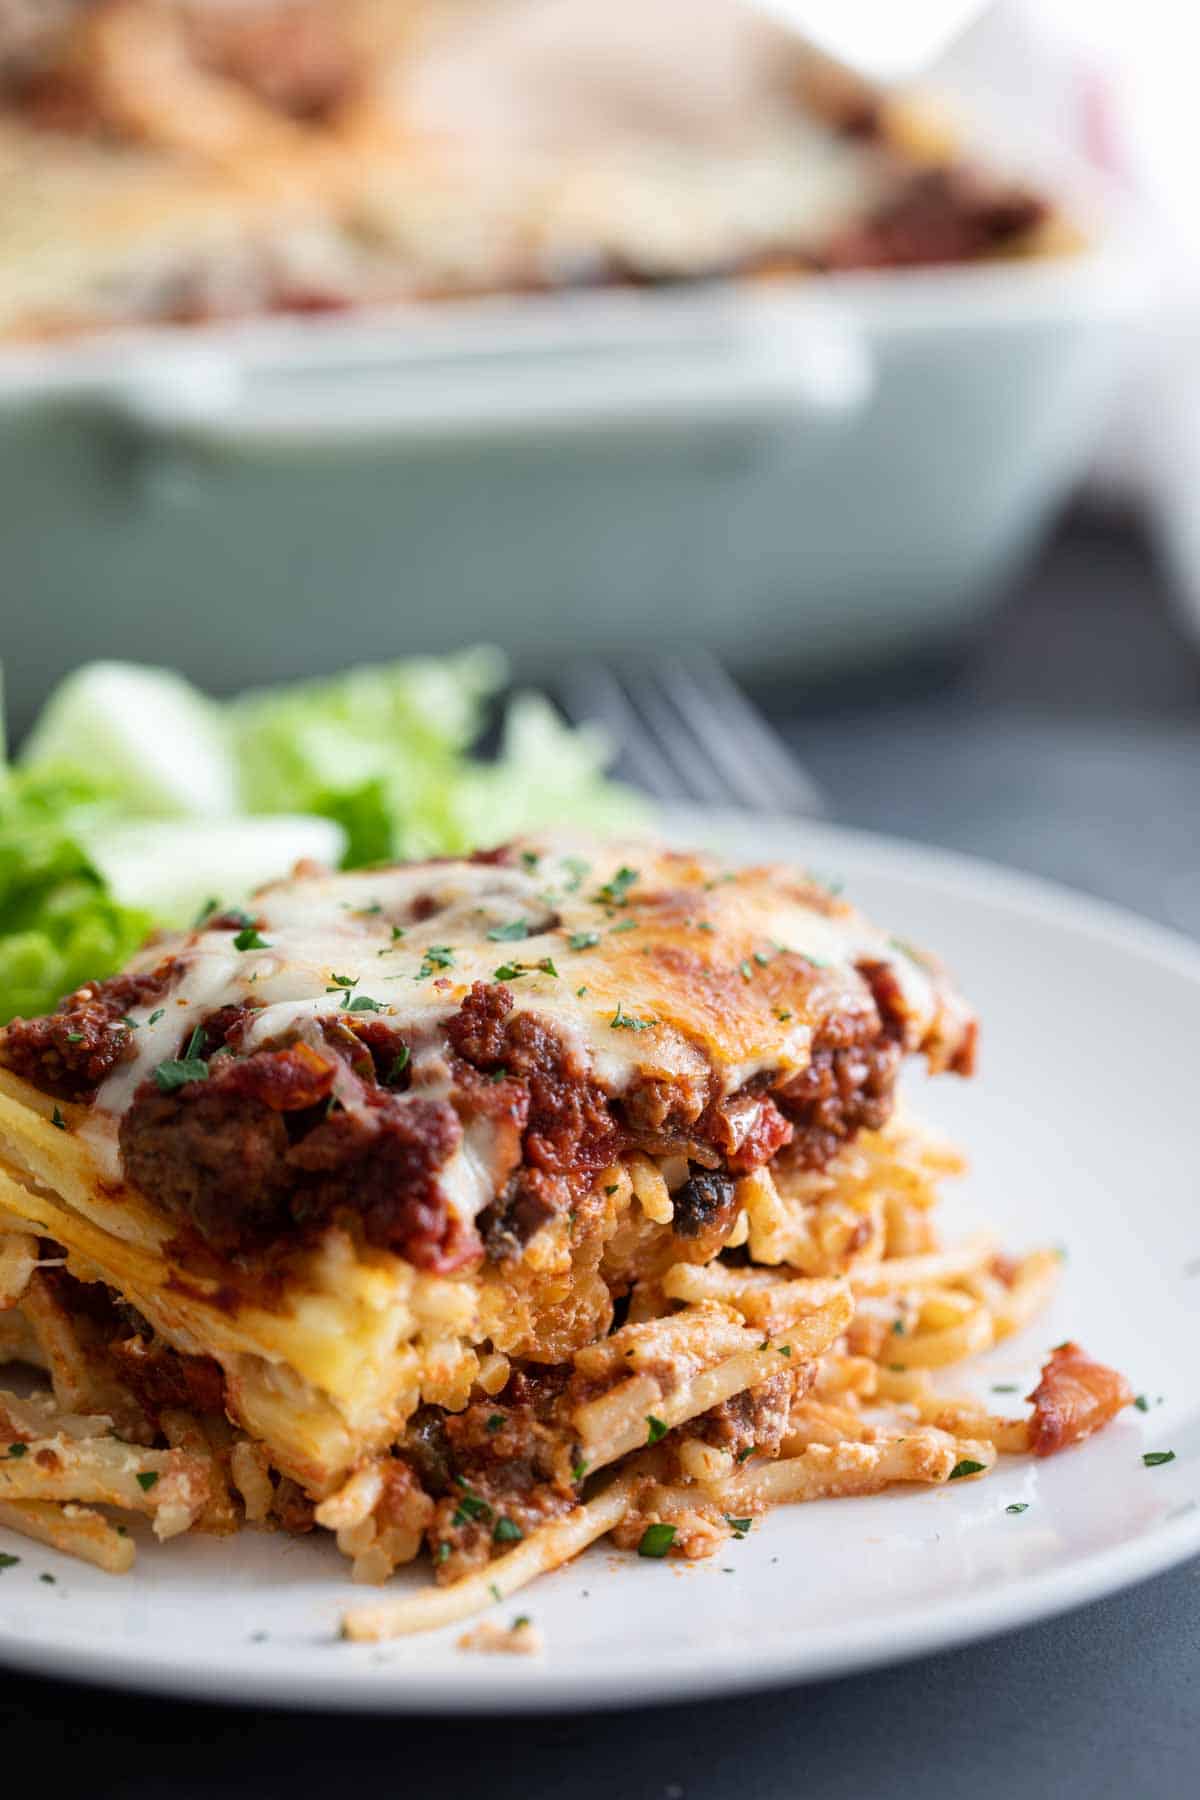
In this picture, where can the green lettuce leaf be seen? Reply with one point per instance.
(384, 752)
(59, 926)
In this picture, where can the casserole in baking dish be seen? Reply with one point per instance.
(198, 159)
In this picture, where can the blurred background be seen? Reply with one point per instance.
(847, 349)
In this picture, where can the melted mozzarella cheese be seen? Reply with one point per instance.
(679, 971)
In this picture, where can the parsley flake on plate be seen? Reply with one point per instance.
(656, 1540)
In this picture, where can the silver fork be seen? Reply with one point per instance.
(683, 730)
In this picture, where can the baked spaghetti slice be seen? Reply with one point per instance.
(486, 1206)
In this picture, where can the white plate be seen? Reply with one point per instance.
(1082, 1128)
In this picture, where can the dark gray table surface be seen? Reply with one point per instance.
(1065, 740)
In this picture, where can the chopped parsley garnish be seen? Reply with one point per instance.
(248, 939)
(546, 965)
(176, 1072)
(623, 1021)
(656, 1540)
(906, 949)
(506, 1531)
(745, 971)
(610, 1191)
(206, 912)
(369, 912)
(498, 1074)
(495, 1421)
(579, 1469)
(1018, 1506)
(522, 1622)
(438, 956)
(965, 1467)
(745, 1455)
(761, 958)
(494, 1591)
(784, 1349)
(706, 925)
(397, 933)
(625, 925)
(48, 1579)
(1004, 1387)
(471, 1507)
(1142, 1404)
(583, 940)
(577, 869)
(655, 1429)
(341, 981)
(7, 1561)
(361, 1003)
(400, 1062)
(898, 1327)
(442, 1553)
(509, 934)
(739, 1527)
(783, 1016)
(614, 892)
(74, 1037)
(18, 1450)
(530, 858)
(507, 972)
(147, 1479)
(156, 1015)
(1154, 1459)
(57, 1119)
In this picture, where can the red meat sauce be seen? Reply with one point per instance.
(261, 1151)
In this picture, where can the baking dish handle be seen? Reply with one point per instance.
(768, 369)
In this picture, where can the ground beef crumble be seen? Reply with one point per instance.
(70, 1051)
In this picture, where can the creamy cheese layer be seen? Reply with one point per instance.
(646, 963)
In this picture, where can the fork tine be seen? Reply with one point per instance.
(754, 758)
(682, 745)
(592, 693)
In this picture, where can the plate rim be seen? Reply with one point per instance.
(495, 1685)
